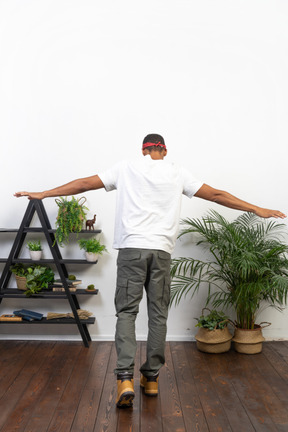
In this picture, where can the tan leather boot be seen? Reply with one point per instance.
(125, 390)
(150, 385)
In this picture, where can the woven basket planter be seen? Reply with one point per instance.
(213, 341)
(21, 282)
(249, 341)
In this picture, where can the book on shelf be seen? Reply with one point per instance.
(28, 315)
(10, 317)
(62, 289)
(58, 282)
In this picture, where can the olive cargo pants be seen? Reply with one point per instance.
(138, 268)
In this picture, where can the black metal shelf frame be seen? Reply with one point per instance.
(60, 263)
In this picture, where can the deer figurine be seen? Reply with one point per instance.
(90, 223)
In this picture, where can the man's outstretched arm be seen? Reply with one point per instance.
(226, 199)
(72, 188)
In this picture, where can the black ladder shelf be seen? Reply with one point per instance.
(60, 263)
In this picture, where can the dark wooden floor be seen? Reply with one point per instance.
(63, 387)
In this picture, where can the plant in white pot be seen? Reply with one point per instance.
(35, 249)
(92, 247)
(245, 269)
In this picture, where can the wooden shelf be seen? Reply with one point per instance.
(40, 230)
(36, 206)
(48, 261)
(90, 320)
(51, 261)
(15, 293)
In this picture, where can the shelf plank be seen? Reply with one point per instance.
(52, 261)
(49, 261)
(90, 320)
(15, 293)
(40, 229)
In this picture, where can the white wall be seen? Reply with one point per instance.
(83, 82)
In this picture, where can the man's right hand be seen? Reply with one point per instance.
(30, 195)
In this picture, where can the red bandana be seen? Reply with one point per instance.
(149, 144)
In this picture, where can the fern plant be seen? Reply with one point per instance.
(246, 266)
(92, 245)
(70, 218)
(34, 246)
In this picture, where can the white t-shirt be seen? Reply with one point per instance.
(148, 202)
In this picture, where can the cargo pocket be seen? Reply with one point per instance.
(166, 292)
(128, 264)
(128, 296)
(127, 255)
(164, 261)
(164, 255)
(121, 294)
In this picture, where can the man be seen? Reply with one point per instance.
(146, 227)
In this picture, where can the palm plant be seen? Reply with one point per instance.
(246, 268)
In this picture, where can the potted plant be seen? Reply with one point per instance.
(33, 278)
(92, 248)
(20, 273)
(246, 268)
(38, 278)
(35, 249)
(213, 335)
(70, 218)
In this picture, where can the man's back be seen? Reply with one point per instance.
(148, 202)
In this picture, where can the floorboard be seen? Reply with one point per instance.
(65, 387)
(150, 411)
(193, 413)
(87, 411)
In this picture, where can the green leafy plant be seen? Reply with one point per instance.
(34, 245)
(91, 287)
(214, 320)
(19, 269)
(37, 277)
(92, 245)
(70, 218)
(246, 266)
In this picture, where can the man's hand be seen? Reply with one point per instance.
(266, 213)
(30, 195)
